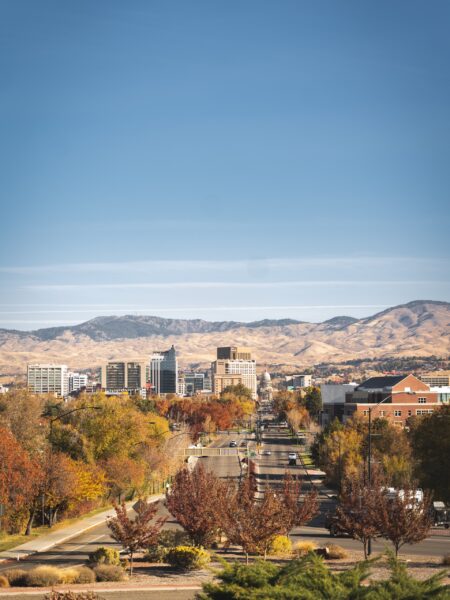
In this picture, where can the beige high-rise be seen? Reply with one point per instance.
(234, 366)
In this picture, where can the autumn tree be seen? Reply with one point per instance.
(430, 441)
(401, 516)
(356, 509)
(194, 500)
(297, 418)
(123, 474)
(340, 454)
(21, 413)
(300, 508)
(253, 522)
(312, 401)
(20, 477)
(239, 390)
(138, 533)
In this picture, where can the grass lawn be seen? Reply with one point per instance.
(307, 460)
(8, 541)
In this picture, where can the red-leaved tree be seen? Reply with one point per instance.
(253, 522)
(138, 533)
(194, 500)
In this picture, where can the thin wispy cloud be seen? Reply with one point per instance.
(225, 265)
(223, 284)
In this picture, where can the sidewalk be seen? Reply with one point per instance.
(53, 538)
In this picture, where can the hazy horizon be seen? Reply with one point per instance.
(364, 312)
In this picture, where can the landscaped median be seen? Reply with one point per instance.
(59, 535)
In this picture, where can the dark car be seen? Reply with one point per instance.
(333, 526)
(233, 444)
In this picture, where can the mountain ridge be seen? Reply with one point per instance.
(420, 328)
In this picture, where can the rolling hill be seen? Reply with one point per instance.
(419, 328)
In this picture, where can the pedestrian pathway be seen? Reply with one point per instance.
(61, 535)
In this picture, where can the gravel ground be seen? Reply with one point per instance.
(150, 574)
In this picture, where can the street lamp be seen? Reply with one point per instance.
(69, 412)
(369, 455)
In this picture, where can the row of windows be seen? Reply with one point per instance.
(398, 413)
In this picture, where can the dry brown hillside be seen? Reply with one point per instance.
(419, 328)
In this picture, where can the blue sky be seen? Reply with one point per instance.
(223, 160)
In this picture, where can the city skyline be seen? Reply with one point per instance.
(233, 162)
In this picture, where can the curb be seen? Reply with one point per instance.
(146, 588)
(19, 556)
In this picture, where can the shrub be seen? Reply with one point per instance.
(109, 573)
(44, 576)
(105, 556)
(335, 551)
(446, 560)
(4, 583)
(303, 548)
(16, 577)
(156, 554)
(54, 595)
(188, 557)
(281, 545)
(169, 538)
(69, 575)
(85, 575)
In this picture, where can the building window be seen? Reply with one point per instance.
(422, 400)
(366, 413)
(409, 413)
(382, 413)
(397, 413)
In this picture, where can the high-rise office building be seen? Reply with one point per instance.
(124, 376)
(77, 381)
(234, 366)
(164, 372)
(48, 379)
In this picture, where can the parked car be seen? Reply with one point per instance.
(292, 458)
(267, 453)
(233, 444)
(332, 524)
(441, 514)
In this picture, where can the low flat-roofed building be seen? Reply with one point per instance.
(404, 396)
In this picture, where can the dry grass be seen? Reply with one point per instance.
(336, 552)
(303, 548)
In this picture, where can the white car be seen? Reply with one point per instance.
(292, 458)
(267, 453)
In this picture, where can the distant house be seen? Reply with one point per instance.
(405, 396)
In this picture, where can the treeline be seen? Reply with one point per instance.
(300, 407)
(232, 408)
(403, 457)
(67, 458)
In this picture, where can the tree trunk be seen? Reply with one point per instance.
(246, 558)
(131, 563)
(30, 521)
(365, 548)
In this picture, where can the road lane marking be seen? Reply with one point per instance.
(99, 537)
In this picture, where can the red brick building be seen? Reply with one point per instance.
(406, 396)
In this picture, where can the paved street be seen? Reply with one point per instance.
(270, 471)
